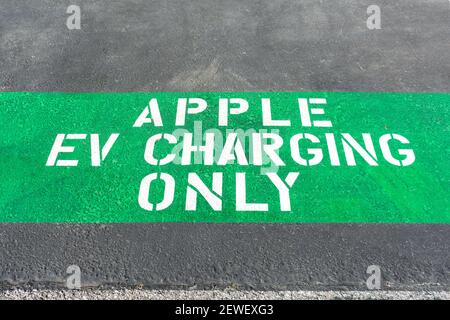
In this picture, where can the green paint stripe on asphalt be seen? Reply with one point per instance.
(374, 190)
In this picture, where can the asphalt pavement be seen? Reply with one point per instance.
(217, 45)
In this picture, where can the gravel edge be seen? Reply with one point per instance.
(142, 294)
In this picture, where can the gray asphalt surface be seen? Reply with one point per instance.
(242, 256)
(225, 46)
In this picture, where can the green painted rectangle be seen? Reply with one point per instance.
(30, 191)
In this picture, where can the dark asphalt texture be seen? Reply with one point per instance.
(225, 46)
